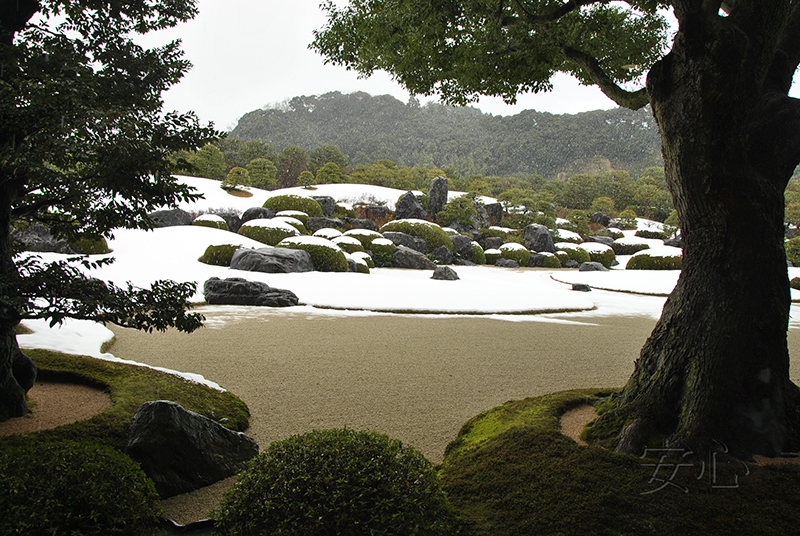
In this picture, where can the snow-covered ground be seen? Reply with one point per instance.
(518, 295)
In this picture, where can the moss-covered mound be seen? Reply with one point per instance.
(328, 233)
(793, 250)
(326, 256)
(433, 235)
(574, 252)
(644, 261)
(365, 236)
(296, 214)
(219, 255)
(515, 252)
(268, 231)
(211, 220)
(299, 203)
(342, 482)
(599, 253)
(348, 244)
(491, 255)
(551, 260)
(365, 257)
(478, 255)
(628, 249)
(294, 222)
(92, 245)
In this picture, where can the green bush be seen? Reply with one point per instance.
(90, 245)
(219, 255)
(628, 249)
(793, 250)
(326, 256)
(365, 236)
(348, 244)
(296, 214)
(646, 262)
(515, 252)
(551, 260)
(602, 255)
(795, 283)
(627, 220)
(342, 212)
(362, 261)
(577, 254)
(269, 232)
(294, 222)
(644, 233)
(491, 255)
(382, 246)
(562, 257)
(478, 255)
(74, 488)
(509, 235)
(432, 234)
(211, 220)
(342, 482)
(307, 205)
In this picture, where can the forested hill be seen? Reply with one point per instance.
(367, 128)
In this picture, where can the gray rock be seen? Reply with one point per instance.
(536, 260)
(38, 238)
(674, 242)
(316, 223)
(443, 255)
(170, 217)
(182, 451)
(580, 287)
(352, 266)
(444, 273)
(409, 207)
(403, 239)
(506, 263)
(493, 242)
(572, 263)
(482, 219)
(495, 212)
(463, 262)
(538, 238)
(272, 260)
(600, 218)
(238, 291)
(404, 257)
(257, 213)
(355, 223)
(437, 196)
(23, 370)
(600, 239)
(327, 203)
(592, 267)
(232, 218)
(377, 213)
(463, 245)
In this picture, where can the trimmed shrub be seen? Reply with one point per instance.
(516, 252)
(383, 246)
(644, 233)
(432, 234)
(348, 244)
(478, 255)
(364, 257)
(296, 214)
(307, 205)
(599, 253)
(268, 231)
(646, 262)
(491, 255)
(793, 250)
(211, 220)
(89, 245)
(342, 482)
(361, 264)
(627, 220)
(74, 488)
(562, 257)
(566, 235)
(294, 222)
(506, 233)
(576, 253)
(326, 256)
(795, 283)
(219, 255)
(550, 260)
(365, 236)
(628, 249)
(328, 233)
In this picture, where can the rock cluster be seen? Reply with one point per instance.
(238, 291)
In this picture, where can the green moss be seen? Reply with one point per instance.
(267, 235)
(219, 255)
(644, 233)
(214, 224)
(326, 258)
(478, 255)
(646, 262)
(365, 236)
(433, 235)
(307, 205)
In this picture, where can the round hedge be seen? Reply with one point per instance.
(576, 253)
(644, 233)
(299, 203)
(365, 236)
(491, 255)
(342, 482)
(646, 262)
(211, 220)
(551, 260)
(364, 257)
(268, 231)
(478, 256)
(74, 488)
(381, 246)
(219, 255)
(516, 252)
(793, 250)
(328, 232)
(795, 283)
(294, 222)
(362, 266)
(326, 256)
(92, 246)
(599, 253)
(348, 244)
(433, 235)
(562, 257)
(628, 249)
(296, 214)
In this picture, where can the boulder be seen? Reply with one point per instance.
(38, 238)
(493, 242)
(444, 273)
(572, 263)
(443, 255)
(506, 263)
(377, 213)
(580, 287)
(257, 213)
(600, 239)
(437, 196)
(327, 203)
(592, 267)
(495, 212)
(463, 245)
(536, 260)
(238, 291)
(538, 238)
(272, 260)
(404, 239)
(404, 257)
(482, 219)
(182, 451)
(463, 262)
(316, 223)
(600, 218)
(170, 217)
(232, 218)
(355, 223)
(409, 207)
(674, 242)
(23, 370)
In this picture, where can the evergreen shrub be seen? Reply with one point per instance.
(515, 252)
(433, 235)
(89, 245)
(492, 255)
(478, 255)
(646, 262)
(562, 257)
(326, 256)
(365, 236)
(348, 244)
(628, 249)
(342, 482)
(296, 214)
(294, 222)
(211, 220)
(644, 233)
(576, 253)
(307, 205)
(551, 260)
(219, 255)
(795, 283)
(792, 247)
(627, 220)
(268, 231)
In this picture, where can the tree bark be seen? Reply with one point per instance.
(716, 367)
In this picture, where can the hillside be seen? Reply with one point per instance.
(368, 128)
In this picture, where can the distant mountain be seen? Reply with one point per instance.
(367, 128)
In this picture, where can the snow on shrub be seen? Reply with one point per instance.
(348, 244)
(362, 267)
(551, 260)
(433, 235)
(565, 235)
(294, 222)
(219, 255)
(328, 232)
(294, 202)
(646, 262)
(364, 256)
(365, 236)
(296, 214)
(326, 256)
(268, 231)
(211, 220)
(516, 252)
(574, 252)
(492, 255)
(599, 253)
(478, 255)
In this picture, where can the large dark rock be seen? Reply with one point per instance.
(493, 242)
(437, 196)
(24, 370)
(601, 239)
(327, 203)
(171, 217)
(481, 220)
(674, 242)
(355, 223)
(600, 218)
(182, 451)
(38, 238)
(536, 260)
(463, 245)
(272, 260)
(404, 239)
(443, 255)
(538, 239)
(377, 213)
(238, 291)
(409, 207)
(316, 223)
(257, 213)
(404, 257)
(495, 212)
(592, 267)
(444, 273)
(232, 218)
(581, 287)
(506, 263)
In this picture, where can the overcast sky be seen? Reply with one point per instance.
(247, 54)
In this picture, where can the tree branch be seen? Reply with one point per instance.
(627, 99)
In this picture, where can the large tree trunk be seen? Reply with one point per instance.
(716, 367)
